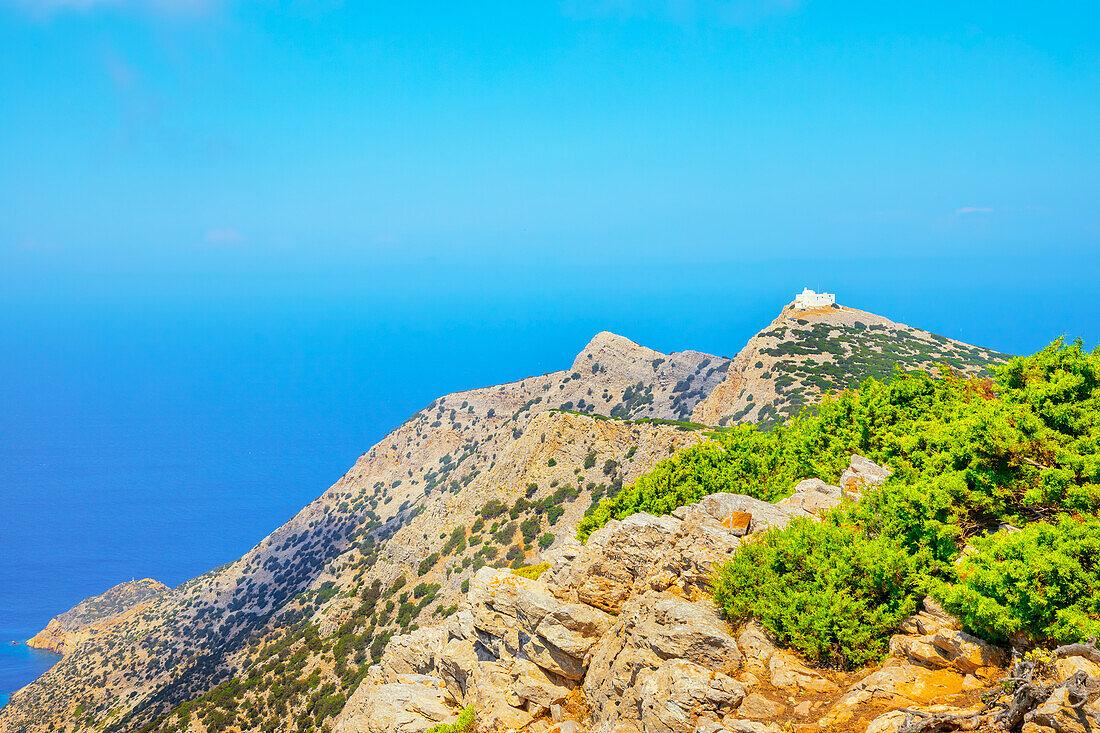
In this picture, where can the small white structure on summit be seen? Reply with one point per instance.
(809, 299)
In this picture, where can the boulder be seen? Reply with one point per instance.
(414, 653)
(814, 496)
(534, 684)
(758, 707)
(862, 474)
(518, 617)
(788, 673)
(457, 665)
(675, 696)
(498, 705)
(887, 722)
(411, 704)
(677, 552)
(896, 685)
(951, 648)
(651, 629)
(756, 645)
(721, 509)
(1068, 666)
(616, 558)
(1057, 715)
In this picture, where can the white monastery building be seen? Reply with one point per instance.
(809, 299)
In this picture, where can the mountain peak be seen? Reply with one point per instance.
(609, 349)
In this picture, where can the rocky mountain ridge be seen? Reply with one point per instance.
(279, 639)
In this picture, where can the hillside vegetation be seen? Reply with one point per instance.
(1002, 472)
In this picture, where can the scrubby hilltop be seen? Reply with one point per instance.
(808, 352)
(280, 638)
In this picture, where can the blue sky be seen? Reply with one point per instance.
(257, 146)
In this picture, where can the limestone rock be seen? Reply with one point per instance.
(533, 683)
(457, 665)
(814, 496)
(951, 648)
(616, 557)
(756, 645)
(887, 722)
(1067, 667)
(898, 685)
(651, 629)
(497, 704)
(758, 707)
(862, 474)
(517, 617)
(412, 704)
(1059, 716)
(677, 552)
(672, 698)
(719, 507)
(415, 653)
(790, 674)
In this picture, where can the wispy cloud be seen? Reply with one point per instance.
(725, 12)
(223, 237)
(974, 210)
(51, 7)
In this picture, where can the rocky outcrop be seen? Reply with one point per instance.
(618, 636)
(657, 635)
(412, 703)
(674, 552)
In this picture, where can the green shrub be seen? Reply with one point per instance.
(1042, 581)
(532, 571)
(493, 508)
(824, 588)
(530, 528)
(546, 540)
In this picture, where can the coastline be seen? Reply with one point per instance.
(20, 665)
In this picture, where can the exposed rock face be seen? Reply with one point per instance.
(95, 615)
(805, 353)
(677, 551)
(656, 635)
(951, 648)
(412, 703)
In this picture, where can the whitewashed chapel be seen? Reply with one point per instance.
(809, 299)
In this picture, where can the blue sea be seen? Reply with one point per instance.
(158, 436)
